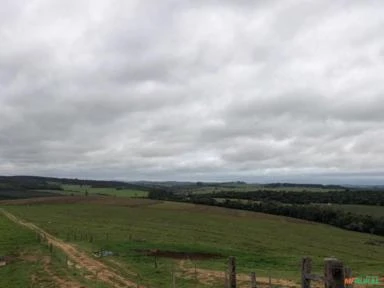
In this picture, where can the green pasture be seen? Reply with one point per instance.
(266, 244)
(83, 189)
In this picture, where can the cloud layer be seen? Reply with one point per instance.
(193, 90)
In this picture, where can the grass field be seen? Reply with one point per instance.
(261, 242)
(77, 189)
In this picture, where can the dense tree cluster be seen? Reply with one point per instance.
(370, 197)
(20, 194)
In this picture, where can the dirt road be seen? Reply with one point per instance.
(55, 279)
(84, 261)
(208, 277)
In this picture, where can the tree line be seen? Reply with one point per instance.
(363, 197)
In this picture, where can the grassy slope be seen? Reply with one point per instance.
(260, 242)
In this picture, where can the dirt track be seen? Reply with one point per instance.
(84, 261)
(58, 280)
(208, 277)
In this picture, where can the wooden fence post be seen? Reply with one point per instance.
(306, 268)
(226, 279)
(173, 279)
(253, 280)
(232, 272)
(333, 273)
(270, 281)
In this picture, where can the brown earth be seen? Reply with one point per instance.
(84, 261)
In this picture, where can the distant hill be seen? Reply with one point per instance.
(52, 183)
(273, 185)
(22, 182)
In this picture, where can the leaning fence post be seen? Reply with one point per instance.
(253, 280)
(306, 268)
(333, 273)
(232, 272)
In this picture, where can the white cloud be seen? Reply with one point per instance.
(210, 90)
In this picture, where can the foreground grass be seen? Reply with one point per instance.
(31, 262)
(13, 242)
(262, 243)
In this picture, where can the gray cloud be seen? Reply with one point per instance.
(193, 90)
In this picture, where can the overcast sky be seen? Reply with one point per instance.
(208, 90)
